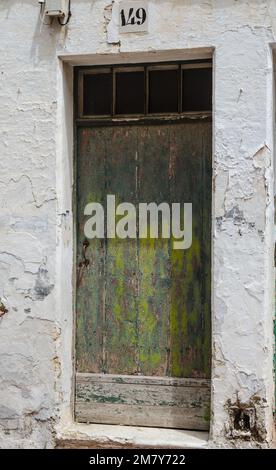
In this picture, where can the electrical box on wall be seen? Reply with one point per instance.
(56, 8)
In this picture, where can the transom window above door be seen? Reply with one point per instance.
(147, 90)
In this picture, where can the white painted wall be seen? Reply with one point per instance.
(36, 212)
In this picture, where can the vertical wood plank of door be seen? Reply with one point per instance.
(91, 278)
(154, 255)
(190, 297)
(121, 333)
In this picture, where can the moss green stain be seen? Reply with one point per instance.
(147, 319)
(152, 311)
(185, 309)
(121, 334)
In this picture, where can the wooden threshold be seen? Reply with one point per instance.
(143, 401)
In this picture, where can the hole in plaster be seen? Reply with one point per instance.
(244, 419)
(243, 422)
(3, 309)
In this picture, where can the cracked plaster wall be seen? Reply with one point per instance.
(36, 214)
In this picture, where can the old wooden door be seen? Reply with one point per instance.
(143, 308)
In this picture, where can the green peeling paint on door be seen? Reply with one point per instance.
(143, 308)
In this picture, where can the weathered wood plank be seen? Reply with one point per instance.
(189, 301)
(121, 334)
(83, 378)
(143, 404)
(90, 278)
(147, 395)
(154, 255)
(129, 415)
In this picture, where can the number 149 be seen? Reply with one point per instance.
(133, 17)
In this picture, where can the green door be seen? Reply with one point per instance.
(143, 312)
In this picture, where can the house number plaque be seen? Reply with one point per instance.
(133, 16)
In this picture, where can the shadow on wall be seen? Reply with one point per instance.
(44, 39)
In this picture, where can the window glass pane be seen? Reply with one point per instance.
(197, 89)
(97, 94)
(163, 91)
(130, 93)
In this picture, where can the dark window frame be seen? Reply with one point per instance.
(188, 68)
(160, 68)
(148, 67)
(118, 70)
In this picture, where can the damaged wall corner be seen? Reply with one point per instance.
(111, 19)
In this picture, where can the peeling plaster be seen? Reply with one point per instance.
(3, 309)
(245, 423)
(111, 15)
